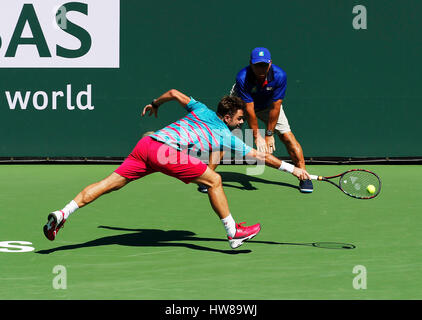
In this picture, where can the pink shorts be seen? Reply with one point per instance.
(151, 156)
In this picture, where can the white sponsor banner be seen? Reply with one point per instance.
(59, 34)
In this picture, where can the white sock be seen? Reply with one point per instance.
(70, 208)
(230, 225)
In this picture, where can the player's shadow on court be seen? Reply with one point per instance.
(147, 238)
(175, 238)
(247, 180)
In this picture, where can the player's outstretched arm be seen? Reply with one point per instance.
(171, 95)
(278, 164)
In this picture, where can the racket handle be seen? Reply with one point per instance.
(313, 177)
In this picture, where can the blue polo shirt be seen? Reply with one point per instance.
(273, 89)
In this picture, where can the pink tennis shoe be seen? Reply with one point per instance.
(243, 233)
(56, 221)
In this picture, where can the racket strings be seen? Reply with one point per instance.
(358, 184)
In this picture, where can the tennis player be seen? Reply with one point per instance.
(171, 151)
(262, 86)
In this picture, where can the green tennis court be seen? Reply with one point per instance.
(159, 239)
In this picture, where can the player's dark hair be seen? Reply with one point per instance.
(229, 105)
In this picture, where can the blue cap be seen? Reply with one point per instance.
(260, 55)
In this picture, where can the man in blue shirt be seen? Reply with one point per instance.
(262, 86)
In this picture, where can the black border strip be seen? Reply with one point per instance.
(266, 309)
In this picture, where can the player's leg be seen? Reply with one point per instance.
(218, 199)
(189, 169)
(112, 183)
(214, 160)
(134, 167)
(57, 218)
(236, 232)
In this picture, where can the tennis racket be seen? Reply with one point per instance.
(356, 183)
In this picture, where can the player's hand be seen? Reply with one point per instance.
(149, 108)
(261, 144)
(301, 174)
(269, 141)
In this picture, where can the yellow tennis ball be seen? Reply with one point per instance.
(371, 189)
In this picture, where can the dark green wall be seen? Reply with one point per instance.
(350, 93)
